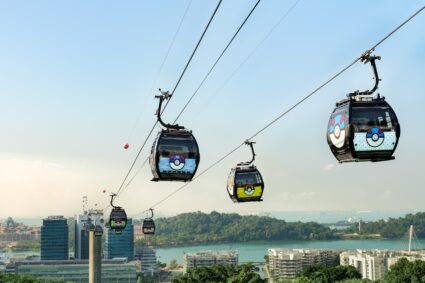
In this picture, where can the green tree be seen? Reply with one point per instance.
(221, 274)
(405, 271)
(160, 264)
(13, 278)
(394, 227)
(10, 222)
(173, 264)
(355, 281)
(198, 228)
(328, 274)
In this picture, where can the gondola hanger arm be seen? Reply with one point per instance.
(250, 143)
(164, 96)
(112, 200)
(371, 58)
(368, 58)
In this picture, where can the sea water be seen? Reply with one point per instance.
(255, 251)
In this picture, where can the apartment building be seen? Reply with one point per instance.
(287, 263)
(209, 258)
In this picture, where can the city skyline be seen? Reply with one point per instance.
(77, 81)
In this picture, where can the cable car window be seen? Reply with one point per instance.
(364, 118)
(177, 154)
(258, 176)
(165, 151)
(246, 178)
(177, 146)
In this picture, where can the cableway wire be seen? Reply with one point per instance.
(216, 61)
(164, 59)
(211, 69)
(156, 79)
(369, 51)
(174, 89)
(191, 57)
(284, 16)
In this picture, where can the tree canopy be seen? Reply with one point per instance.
(221, 274)
(395, 227)
(198, 228)
(13, 278)
(405, 271)
(328, 274)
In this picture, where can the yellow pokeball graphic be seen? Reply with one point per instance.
(249, 190)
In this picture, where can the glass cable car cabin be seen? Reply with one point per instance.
(98, 231)
(175, 152)
(363, 127)
(245, 183)
(148, 226)
(117, 218)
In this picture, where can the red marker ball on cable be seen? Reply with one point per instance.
(126, 146)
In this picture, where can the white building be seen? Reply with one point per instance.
(287, 263)
(209, 258)
(409, 255)
(374, 264)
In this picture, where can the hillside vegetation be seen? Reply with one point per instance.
(199, 228)
(395, 228)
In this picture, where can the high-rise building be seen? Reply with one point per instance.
(147, 256)
(54, 238)
(81, 229)
(122, 244)
(372, 265)
(287, 263)
(209, 258)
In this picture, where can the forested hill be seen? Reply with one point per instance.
(199, 228)
(395, 227)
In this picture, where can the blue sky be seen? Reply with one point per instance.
(76, 81)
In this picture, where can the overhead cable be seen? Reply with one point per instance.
(368, 51)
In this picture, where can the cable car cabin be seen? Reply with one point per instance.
(363, 129)
(245, 184)
(117, 219)
(148, 227)
(174, 156)
(98, 230)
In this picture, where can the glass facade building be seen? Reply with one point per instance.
(120, 245)
(81, 229)
(147, 256)
(77, 271)
(54, 238)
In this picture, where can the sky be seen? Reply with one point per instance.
(78, 79)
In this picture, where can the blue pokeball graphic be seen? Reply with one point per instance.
(375, 137)
(177, 162)
(337, 130)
